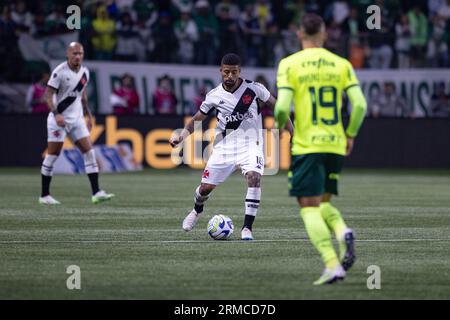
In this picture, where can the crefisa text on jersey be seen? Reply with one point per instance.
(226, 309)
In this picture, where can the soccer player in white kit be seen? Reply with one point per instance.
(238, 142)
(68, 81)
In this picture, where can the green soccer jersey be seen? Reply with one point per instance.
(317, 79)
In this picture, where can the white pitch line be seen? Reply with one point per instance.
(204, 241)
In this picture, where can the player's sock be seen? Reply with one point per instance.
(319, 235)
(199, 200)
(91, 167)
(47, 173)
(333, 219)
(252, 201)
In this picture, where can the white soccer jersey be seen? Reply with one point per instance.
(69, 85)
(238, 114)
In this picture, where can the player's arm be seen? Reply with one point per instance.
(359, 108)
(48, 97)
(283, 108)
(289, 126)
(187, 130)
(86, 111)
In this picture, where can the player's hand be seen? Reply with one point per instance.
(60, 120)
(350, 142)
(175, 140)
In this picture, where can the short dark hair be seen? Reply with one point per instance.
(311, 23)
(231, 59)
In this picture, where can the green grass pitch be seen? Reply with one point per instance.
(134, 248)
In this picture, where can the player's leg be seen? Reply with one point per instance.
(332, 216)
(201, 194)
(252, 201)
(217, 170)
(55, 141)
(306, 183)
(53, 151)
(83, 142)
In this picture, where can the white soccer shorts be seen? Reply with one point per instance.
(221, 164)
(75, 132)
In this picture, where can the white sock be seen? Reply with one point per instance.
(90, 162)
(47, 165)
(252, 201)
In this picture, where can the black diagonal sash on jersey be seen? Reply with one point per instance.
(242, 107)
(65, 103)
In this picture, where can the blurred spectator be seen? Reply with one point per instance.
(437, 48)
(340, 11)
(388, 103)
(444, 10)
(403, 42)
(164, 98)
(22, 18)
(198, 100)
(183, 5)
(434, 6)
(229, 37)
(126, 100)
(252, 35)
(165, 40)
(380, 42)
(335, 39)
(208, 30)
(440, 102)
(232, 8)
(419, 32)
(104, 39)
(35, 95)
(146, 11)
(127, 39)
(187, 34)
(55, 22)
(145, 43)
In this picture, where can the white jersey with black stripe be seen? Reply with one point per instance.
(69, 85)
(237, 112)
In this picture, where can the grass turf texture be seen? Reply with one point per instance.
(134, 248)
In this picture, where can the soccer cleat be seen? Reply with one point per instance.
(330, 276)
(191, 220)
(101, 196)
(348, 254)
(48, 200)
(246, 234)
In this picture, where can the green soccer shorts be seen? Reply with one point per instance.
(314, 174)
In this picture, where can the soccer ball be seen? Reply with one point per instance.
(220, 227)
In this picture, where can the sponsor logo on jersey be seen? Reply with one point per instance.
(237, 117)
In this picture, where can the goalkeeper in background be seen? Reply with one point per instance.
(314, 79)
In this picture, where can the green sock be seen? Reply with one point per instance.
(319, 235)
(334, 221)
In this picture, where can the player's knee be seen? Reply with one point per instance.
(253, 179)
(206, 189)
(47, 164)
(90, 162)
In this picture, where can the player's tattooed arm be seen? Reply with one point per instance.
(48, 96)
(86, 110)
(187, 130)
(289, 126)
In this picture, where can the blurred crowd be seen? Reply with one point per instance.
(412, 33)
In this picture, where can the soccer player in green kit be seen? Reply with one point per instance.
(314, 79)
